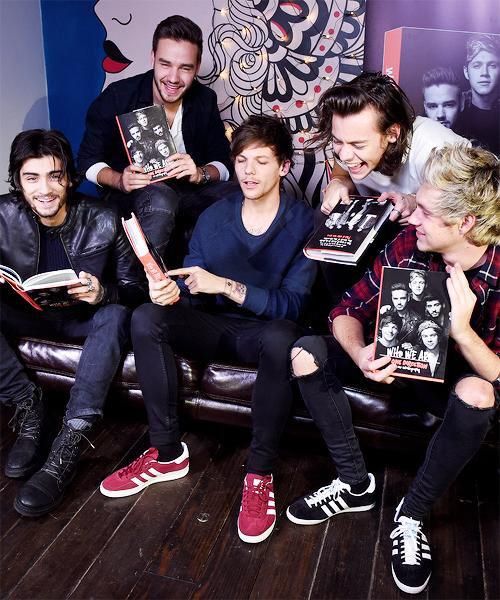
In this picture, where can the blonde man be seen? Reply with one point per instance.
(455, 228)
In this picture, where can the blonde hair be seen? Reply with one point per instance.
(468, 179)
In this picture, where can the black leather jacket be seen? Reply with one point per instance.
(92, 236)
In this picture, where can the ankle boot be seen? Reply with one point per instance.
(46, 488)
(26, 455)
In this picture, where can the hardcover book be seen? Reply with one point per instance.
(145, 251)
(147, 140)
(348, 230)
(413, 322)
(46, 289)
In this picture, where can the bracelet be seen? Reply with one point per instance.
(205, 175)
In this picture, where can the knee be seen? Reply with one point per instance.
(143, 320)
(475, 392)
(307, 355)
(278, 336)
(156, 198)
(113, 314)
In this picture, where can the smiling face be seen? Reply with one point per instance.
(416, 285)
(259, 173)
(433, 233)
(388, 332)
(429, 338)
(142, 119)
(163, 149)
(399, 299)
(483, 73)
(45, 189)
(359, 143)
(175, 65)
(443, 103)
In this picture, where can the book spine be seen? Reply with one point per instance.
(123, 139)
(151, 267)
(392, 53)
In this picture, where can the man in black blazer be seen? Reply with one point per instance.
(195, 123)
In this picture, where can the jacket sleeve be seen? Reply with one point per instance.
(96, 145)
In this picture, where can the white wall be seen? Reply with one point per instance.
(23, 91)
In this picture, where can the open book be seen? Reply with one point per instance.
(147, 140)
(49, 281)
(144, 249)
(348, 230)
(413, 322)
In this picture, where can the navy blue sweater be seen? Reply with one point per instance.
(273, 267)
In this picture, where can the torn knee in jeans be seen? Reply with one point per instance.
(307, 355)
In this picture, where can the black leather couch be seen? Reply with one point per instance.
(222, 393)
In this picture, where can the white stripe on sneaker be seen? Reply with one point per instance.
(327, 511)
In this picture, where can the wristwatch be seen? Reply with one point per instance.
(205, 175)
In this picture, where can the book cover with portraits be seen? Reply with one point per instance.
(413, 322)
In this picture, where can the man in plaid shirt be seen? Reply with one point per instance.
(454, 228)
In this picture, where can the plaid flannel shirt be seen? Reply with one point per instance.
(361, 300)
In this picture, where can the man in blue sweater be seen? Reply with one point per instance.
(246, 283)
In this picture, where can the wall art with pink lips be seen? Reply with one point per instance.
(259, 57)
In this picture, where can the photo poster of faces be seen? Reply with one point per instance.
(348, 230)
(147, 140)
(413, 322)
(450, 76)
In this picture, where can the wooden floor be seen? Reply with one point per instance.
(179, 539)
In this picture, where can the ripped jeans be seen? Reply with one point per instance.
(454, 443)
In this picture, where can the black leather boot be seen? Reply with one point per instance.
(46, 488)
(27, 453)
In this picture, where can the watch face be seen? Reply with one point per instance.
(206, 175)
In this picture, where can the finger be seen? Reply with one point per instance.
(182, 271)
(379, 363)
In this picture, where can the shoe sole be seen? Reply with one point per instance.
(318, 521)
(139, 488)
(29, 512)
(407, 589)
(249, 539)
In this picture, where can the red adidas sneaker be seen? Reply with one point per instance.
(144, 471)
(257, 512)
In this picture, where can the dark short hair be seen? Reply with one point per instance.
(385, 96)
(180, 29)
(37, 143)
(390, 317)
(267, 131)
(399, 286)
(134, 125)
(439, 76)
(432, 298)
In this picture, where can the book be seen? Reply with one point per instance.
(348, 230)
(45, 287)
(436, 82)
(413, 322)
(147, 140)
(145, 251)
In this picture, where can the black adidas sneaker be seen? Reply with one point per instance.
(331, 500)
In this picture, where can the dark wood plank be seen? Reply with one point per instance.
(292, 556)
(349, 547)
(34, 542)
(488, 486)
(117, 567)
(150, 587)
(233, 566)
(195, 531)
(455, 542)
(397, 479)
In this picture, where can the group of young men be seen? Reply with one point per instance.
(245, 285)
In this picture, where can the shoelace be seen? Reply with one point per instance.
(27, 423)
(64, 455)
(255, 497)
(411, 530)
(136, 465)
(331, 490)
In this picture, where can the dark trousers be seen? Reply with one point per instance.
(158, 332)
(455, 442)
(106, 335)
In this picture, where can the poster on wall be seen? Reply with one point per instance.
(455, 81)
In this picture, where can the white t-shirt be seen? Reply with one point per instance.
(427, 134)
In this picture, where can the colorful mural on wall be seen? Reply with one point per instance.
(260, 57)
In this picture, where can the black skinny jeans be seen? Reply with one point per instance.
(158, 332)
(452, 446)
